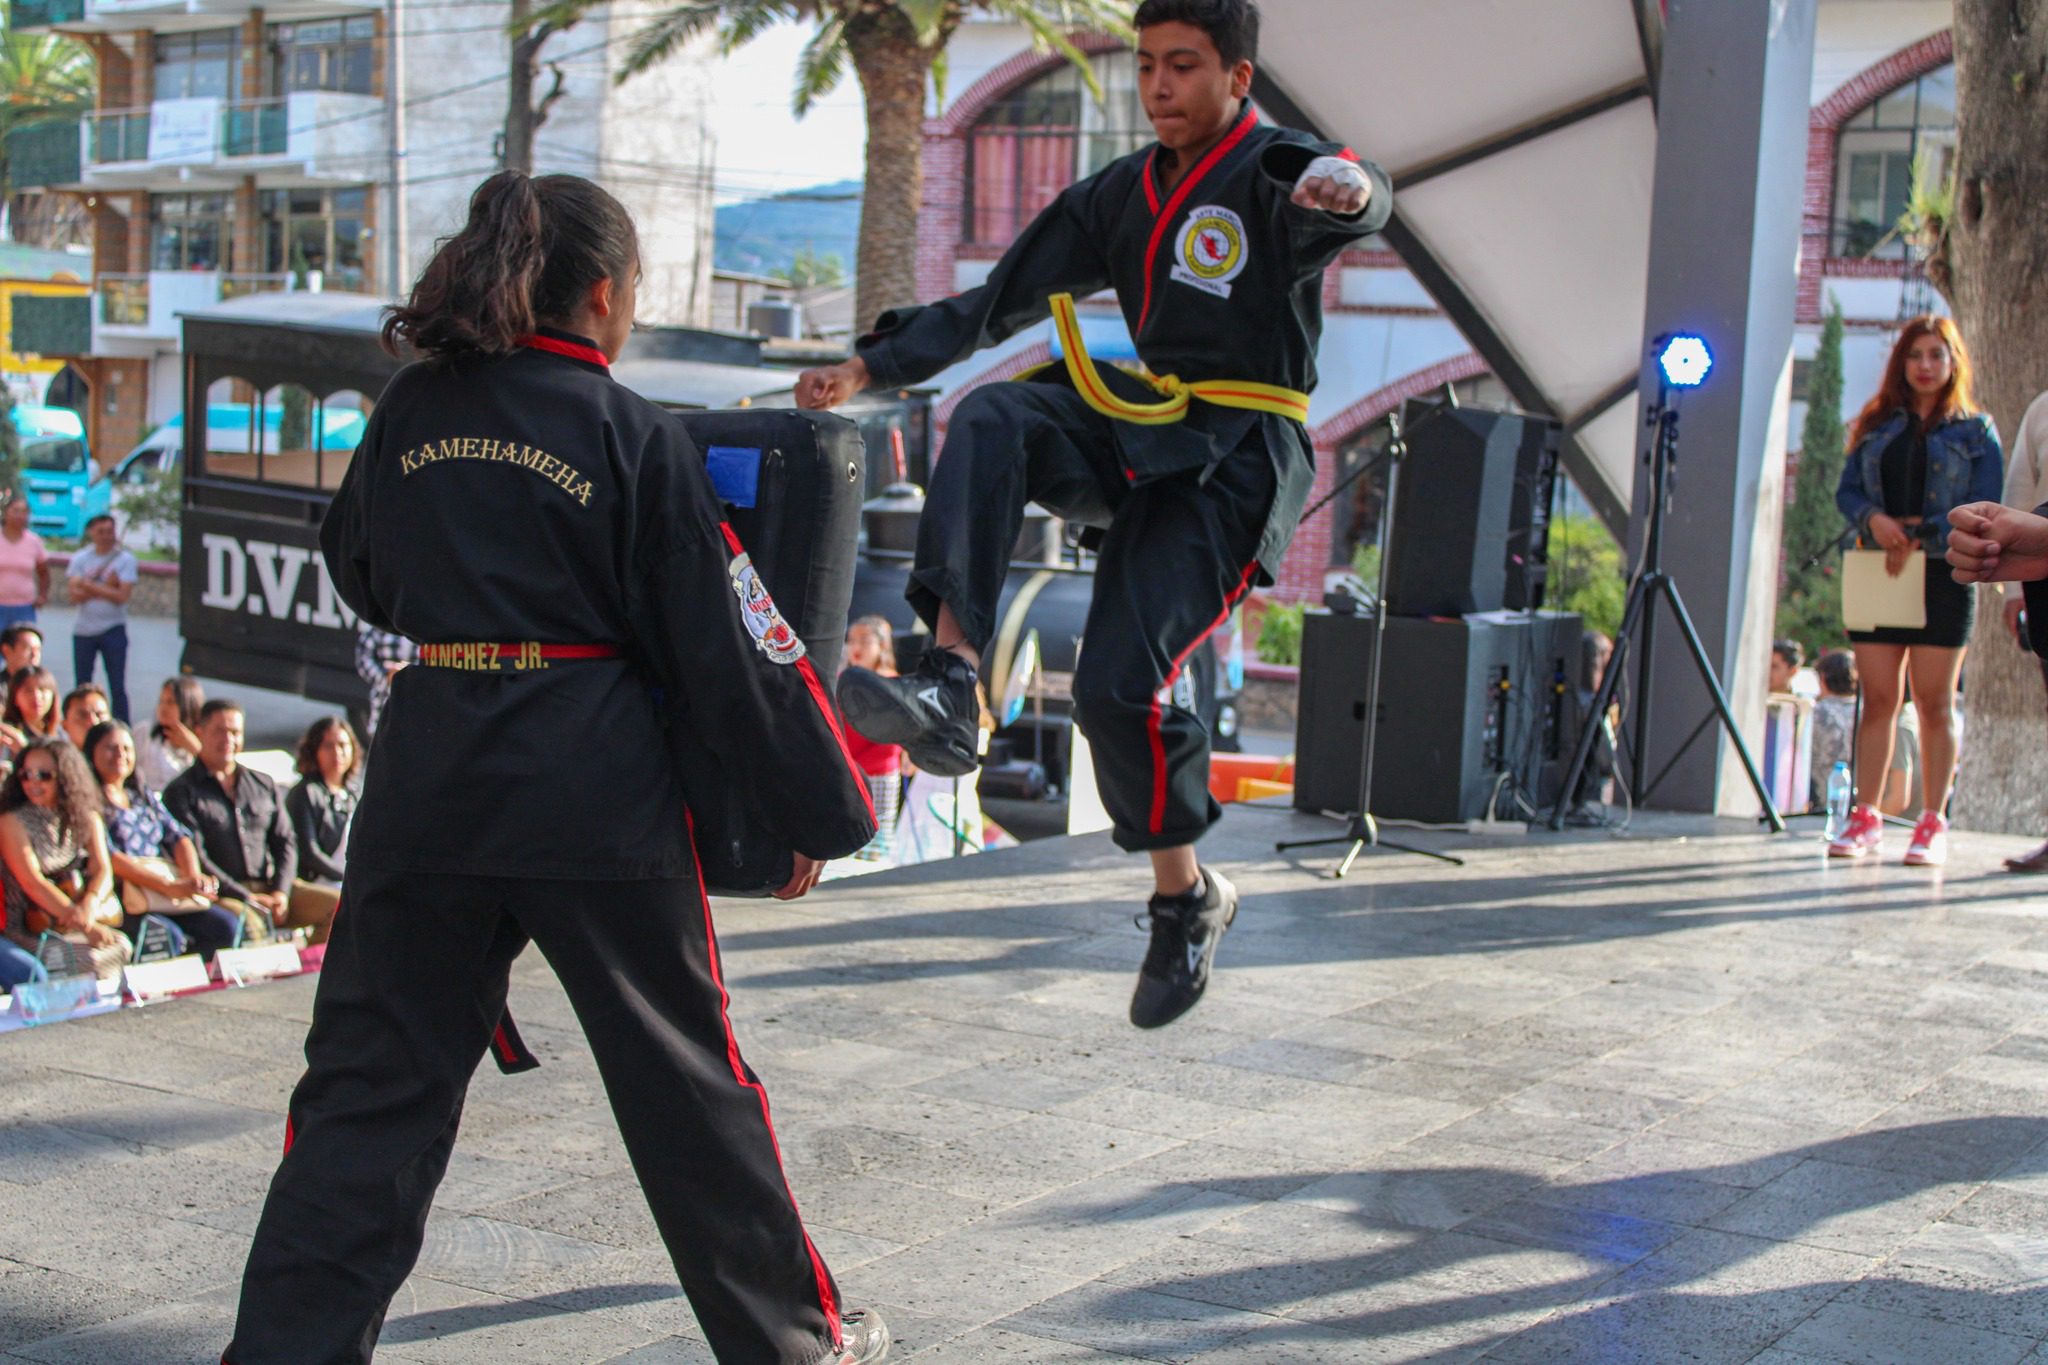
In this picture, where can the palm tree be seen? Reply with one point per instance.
(41, 79)
(894, 47)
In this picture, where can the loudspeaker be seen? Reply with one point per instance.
(1461, 702)
(1471, 524)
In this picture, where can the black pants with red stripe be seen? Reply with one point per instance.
(1177, 553)
(409, 998)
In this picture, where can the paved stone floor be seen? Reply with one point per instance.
(1690, 1095)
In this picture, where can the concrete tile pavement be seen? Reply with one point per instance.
(1687, 1095)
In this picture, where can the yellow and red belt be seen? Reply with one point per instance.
(518, 656)
(1176, 393)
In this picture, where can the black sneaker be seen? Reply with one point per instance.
(864, 1338)
(1185, 932)
(934, 713)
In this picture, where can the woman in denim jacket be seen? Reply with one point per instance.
(1918, 448)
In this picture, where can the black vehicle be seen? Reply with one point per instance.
(256, 606)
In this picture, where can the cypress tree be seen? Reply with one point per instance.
(1810, 599)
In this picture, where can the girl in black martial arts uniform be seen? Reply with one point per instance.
(554, 544)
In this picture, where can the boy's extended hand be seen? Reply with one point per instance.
(1989, 543)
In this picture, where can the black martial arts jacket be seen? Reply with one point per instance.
(530, 498)
(1219, 278)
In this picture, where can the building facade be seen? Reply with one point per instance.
(238, 148)
(1019, 125)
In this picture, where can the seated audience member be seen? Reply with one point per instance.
(32, 704)
(245, 836)
(1834, 718)
(1788, 671)
(172, 741)
(154, 858)
(871, 644)
(324, 801)
(84, 707)
(54, 871)
(21, 646)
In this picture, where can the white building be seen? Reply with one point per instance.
(239, 147)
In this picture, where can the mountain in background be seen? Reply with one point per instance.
(762, 236)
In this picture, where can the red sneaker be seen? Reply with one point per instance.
(1930, 841)
(1864, 834)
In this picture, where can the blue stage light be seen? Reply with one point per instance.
(1685, 361)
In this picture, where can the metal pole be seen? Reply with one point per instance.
(396, 283)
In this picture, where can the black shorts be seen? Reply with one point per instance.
(1951, 612)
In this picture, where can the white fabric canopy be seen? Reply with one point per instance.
(1522, 140)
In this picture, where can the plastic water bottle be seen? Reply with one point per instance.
(1840, 793)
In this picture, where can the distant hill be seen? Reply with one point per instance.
(762, 236)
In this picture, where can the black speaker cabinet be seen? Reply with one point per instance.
(1471, 521)
(1461, 702)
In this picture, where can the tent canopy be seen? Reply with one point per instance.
(1523, 166)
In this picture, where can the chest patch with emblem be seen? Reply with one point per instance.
(1209, 251)
(771, 633)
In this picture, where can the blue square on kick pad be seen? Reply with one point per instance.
(735, 473)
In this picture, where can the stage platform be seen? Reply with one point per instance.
(1686, 1095)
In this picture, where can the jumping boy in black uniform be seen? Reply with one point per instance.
(554, 544)
(1215, 241)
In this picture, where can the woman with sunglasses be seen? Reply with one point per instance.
(53, 856)
(554, 543)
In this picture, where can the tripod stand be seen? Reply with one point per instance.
(1650, 583)
(1362, 831)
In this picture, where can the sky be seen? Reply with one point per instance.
(762, 147)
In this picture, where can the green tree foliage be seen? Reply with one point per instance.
(1280, 633)
(10, 448)
(808, 270)
(1810, 600)
(1586, 574)
(41, 79)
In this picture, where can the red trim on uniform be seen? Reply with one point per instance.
(504, 1044)
(817, 689)
(1153, 732)
(589, 355)
(1151, 182)
(1348, 155)
(289, 1135)
(1180, 194)
(826, 1299)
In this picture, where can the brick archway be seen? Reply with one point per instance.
(945, 158)
(1823, 137)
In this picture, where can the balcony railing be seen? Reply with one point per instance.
(43, 154)
(124, 300)
(253, 129)
(31, 14)
(240, 286)
(118, 135)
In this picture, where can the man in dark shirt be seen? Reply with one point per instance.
(245, 834)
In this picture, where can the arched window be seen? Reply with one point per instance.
(1042, 137)
(1874, 161)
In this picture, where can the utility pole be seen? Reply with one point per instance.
(396, 282)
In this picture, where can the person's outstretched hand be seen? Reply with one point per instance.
(1991, 543)
(802, 878)
(831, 385)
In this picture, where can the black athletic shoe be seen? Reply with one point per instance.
(934, 713)
(864, 1337)
(1185, 932)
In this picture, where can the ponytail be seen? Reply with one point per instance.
(531, 250)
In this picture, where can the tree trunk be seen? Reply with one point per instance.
(1999, 237)
(892, 68)
(517, 154)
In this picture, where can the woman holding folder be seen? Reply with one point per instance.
(1917, 449)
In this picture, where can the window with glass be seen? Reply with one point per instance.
(1875, 156)
(333, 54)
(188, 231)
(1037, 140)
(194, 65)
(323, 230)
